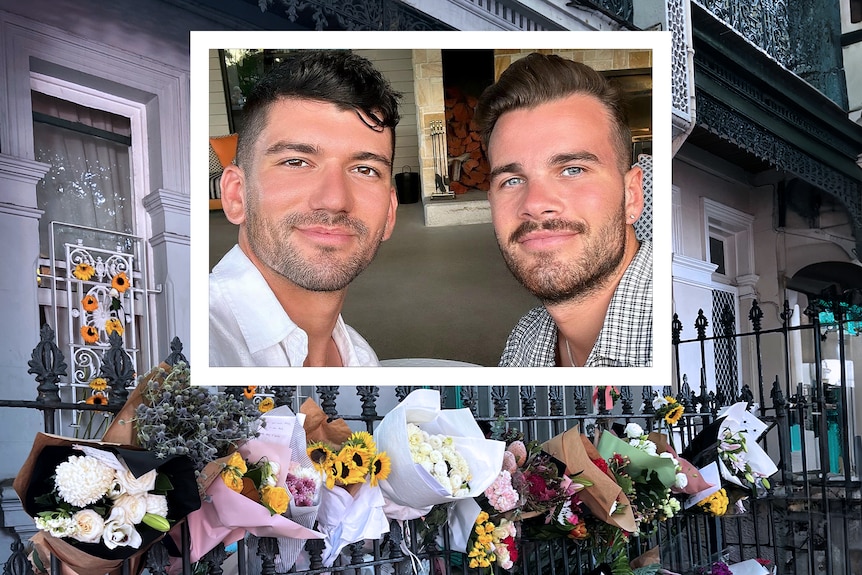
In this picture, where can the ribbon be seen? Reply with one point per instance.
(608, 391)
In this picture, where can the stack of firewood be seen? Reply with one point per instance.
(468, 168)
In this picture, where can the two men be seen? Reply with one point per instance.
(311, 193)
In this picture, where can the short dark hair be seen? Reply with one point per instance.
(540, 78)
(339, 77)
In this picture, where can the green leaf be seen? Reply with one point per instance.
(163, 484)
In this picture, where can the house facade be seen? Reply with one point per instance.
(767, 187)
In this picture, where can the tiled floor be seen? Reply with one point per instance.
(432, 292)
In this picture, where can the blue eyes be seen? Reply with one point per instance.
(573, 171)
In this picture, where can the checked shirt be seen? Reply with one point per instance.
(624, 341)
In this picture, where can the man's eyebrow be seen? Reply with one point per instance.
(510, 168)
(372, 156)
(567, 157)
(283, 146)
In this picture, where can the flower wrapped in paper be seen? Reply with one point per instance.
(437, 455)
(350, 465)
(255, 504)
(97, 504)
(729, 445)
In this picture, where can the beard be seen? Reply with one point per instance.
(327, 268)
(555, 280)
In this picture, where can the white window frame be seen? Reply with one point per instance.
(735, 229)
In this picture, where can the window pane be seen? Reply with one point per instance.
(716, 254)
(89, 182)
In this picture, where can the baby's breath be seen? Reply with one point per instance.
(177, 418)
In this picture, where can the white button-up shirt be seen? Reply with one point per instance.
(248, 326)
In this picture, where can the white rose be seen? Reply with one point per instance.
(134, 506)
(435, 457)
(119, 532)
(681, 481)
(90, 526)
(633, 430)
(649, 447)
(137, 485)
(157, 505)
(440, 469)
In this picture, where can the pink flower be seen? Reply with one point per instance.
(500, 493)
(519, 450)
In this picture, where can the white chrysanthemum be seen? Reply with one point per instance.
(90, 526)
(82, 480)
(158, 504)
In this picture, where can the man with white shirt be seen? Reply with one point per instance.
(311, 192)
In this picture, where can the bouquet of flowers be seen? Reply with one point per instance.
(430, 449)
(351, 466)
(97, 504)
(731, 459)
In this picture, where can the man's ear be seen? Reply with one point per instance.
(634, 192)
(390, 215)
(233, 192)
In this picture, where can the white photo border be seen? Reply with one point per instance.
(660, 45)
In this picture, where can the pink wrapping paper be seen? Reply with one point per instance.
(225, 516)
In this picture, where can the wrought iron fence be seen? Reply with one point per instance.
(807, 522)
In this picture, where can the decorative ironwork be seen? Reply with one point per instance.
(764, 23)
(48, 365)
(352, 15)
(647, 395)
(528, 401)
(470, 398)
(579, 396)
(681, 75)
(214, 558)
(368, 395)
(730, 125)
(700, 325)
(620, 10)
(176, 354)
(119, 369)
(724, 350)
(556, 400)
(755, 316)
(267, 549)
(284, 395)
(328, 394)
(676, 329)
(500, 399)
(627, 400)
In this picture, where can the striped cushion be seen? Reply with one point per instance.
(215, 186)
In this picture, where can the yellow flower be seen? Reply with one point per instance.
(275, 499)
(249, 391)
(120, 282)
(84, 271)
(90, 334)
(114, 325)
(97, 399)
(345, 469)
(320, 455)
(266, 405)
(236, 462)
(99, 384)
(354, 456)
(90, 303)
(715, 504)
(381, 467)
(362, 439)
(232, 480)
(674, 415)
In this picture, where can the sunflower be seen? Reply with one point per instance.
(362, 439)
(90, 303)
(120, 282)
(97, 399)
(320, 456)
(266, 404)
(99, 384)
(381, 466)
(90, 334)
(84, 271)
(356, 457)
(249, 391)
(343, 472)
(114, 325)
(674, 414)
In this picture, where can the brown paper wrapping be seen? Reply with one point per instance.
(575, 450)
(696, 482)
(318, 428)
(651, 557)
(122, 428)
